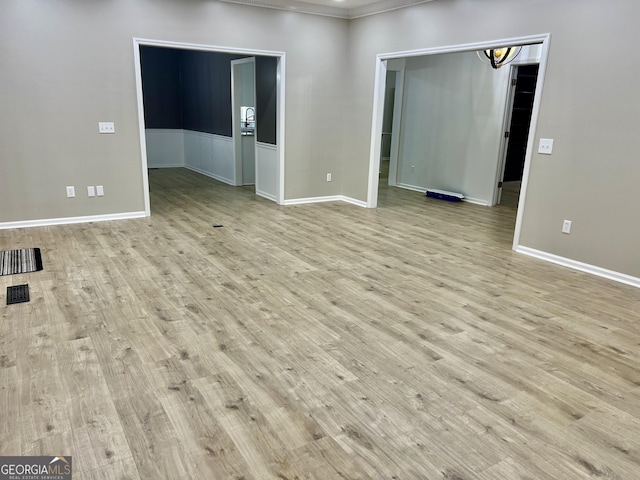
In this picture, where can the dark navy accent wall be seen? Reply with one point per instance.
(161, 87)
(266, 99)
(206, 91)
(191, 90)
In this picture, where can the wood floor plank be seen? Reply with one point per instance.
(320, 341)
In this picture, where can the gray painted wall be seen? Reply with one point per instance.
(589, 106)
(66, 65)
(452, 124)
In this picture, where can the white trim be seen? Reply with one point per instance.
(304, 201)
(71, 220)
(382, 7)
(280, 123)
(207, 48)
(280, 116)
(142, 129)
(228, 181)
(262, 180)
(297, 6)
(379, 92)
(353, 201)
(476, 201)
(396, 127)
(165, 147)
(378, 99)
(583, 267)
(537, 98)
(414, 188)
(236, 128)
(208, 135)
(266, 195)
(506, 126)
(329, 198)
(423, 190)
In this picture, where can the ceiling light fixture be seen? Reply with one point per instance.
(498, 57)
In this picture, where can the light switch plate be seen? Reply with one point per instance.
(100, 190)
(71, 192)
(91, 191)
(546, 146)
(106, 127)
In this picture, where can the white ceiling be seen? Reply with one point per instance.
(333, 8)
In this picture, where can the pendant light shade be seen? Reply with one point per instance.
(498, 57)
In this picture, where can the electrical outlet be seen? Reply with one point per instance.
(566, 226)
(328, 177)
(106, 127)
(413, 168)
(545, 146)
(91, 191)
(100, 190)
(71, 192)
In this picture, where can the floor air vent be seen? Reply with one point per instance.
(17, 294)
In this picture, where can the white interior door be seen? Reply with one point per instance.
(243, 94)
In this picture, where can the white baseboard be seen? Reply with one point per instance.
(166, 166)
(69, 220)
(354, 201)
(210, 175)
(475, 201)
(583, 267)
(266, 195)
(302, 201)
(415, 188)
(329, 198)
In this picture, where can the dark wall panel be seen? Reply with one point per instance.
(192, 90)
(161, 87)
(206, 92)
(266, 98)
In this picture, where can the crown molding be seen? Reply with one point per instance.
(331, 11)
(382, 6)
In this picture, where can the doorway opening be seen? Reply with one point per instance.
(407, 172)
(213, 151)
(518, 121)
(243, 105)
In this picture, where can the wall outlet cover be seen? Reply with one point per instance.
(100, 190)
(106, 127)
(91, 191)
(545, 146)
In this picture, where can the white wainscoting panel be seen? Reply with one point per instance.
(165, 148)
(209, 154)
(267, 163)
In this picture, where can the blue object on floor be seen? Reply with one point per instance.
(444, 195)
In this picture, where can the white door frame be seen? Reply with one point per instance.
(236, 131)
(280, 108)
(396, 127)
(378, 106)
(508, 114)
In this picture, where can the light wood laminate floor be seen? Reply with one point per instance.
(320, 341)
